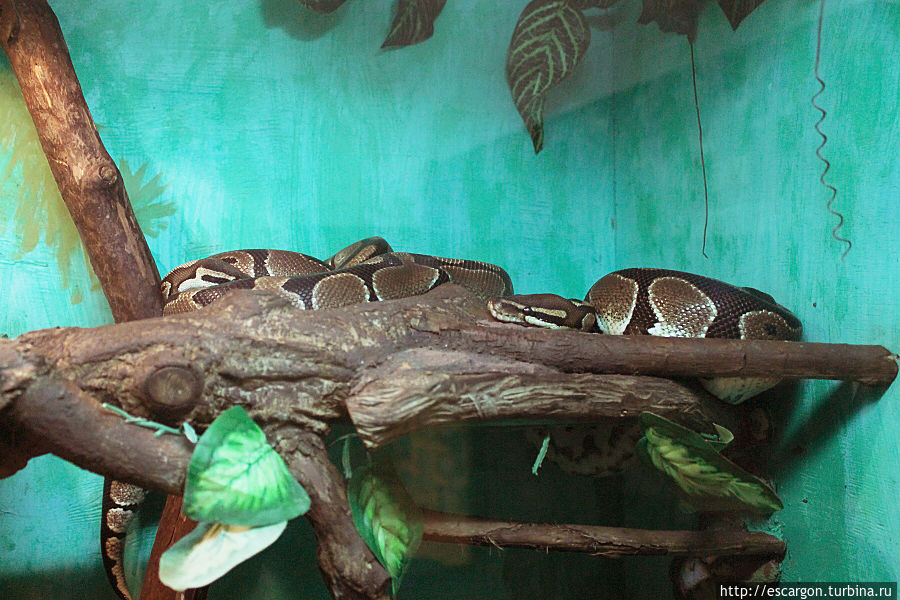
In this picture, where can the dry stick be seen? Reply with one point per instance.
(687, 357)
(92, 188)
(611, 542)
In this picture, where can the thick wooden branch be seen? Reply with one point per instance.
(689, 357)
(432, 358)
(418, 389)
(74, 426)
(611, 542)
(347, 565)
(88, 179)
(393, 366)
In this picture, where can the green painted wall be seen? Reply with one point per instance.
(272, 127)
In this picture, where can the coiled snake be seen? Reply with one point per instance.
(367, 271)
(632, 301)
(647, 301)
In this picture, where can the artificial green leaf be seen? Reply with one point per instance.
(678, 16)
(414, 22)
(211, 550)
(550, 39)
(722, 438)
(542, 454)
(698, 469)
(322, 6)
(236, 478)
(386, 517)
(737, 10)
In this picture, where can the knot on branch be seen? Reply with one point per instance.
(172, 392)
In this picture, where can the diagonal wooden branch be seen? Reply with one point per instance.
(422, 388)
(90, 185)
(88, 180)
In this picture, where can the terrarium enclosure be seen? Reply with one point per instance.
(752, 142)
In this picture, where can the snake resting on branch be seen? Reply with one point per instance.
(631, 301)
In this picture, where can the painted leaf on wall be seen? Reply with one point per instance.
(386, 517)
(586, 4)
(35, 208)
(550, 39)
(322, 6)
(413, 23)
(699, 470)
(678, 16)
(737, 10)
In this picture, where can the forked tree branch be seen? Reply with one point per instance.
(392, 367)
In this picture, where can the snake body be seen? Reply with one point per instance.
(631, 301)
(647, 301)
(367, 271)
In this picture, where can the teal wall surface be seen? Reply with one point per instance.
(269, 126)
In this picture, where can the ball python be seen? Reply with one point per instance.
(649, 301)
(367, 271)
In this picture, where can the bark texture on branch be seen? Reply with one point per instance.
(74, 426)
(88, 179)
(690, 357)
(349, 568)
(611, 542)
(307, 368)
(418, 389)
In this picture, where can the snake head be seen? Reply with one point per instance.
(544, 310)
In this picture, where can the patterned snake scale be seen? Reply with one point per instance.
(366, 271)
(631, 301)
(647, 301)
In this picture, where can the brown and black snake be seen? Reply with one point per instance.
(367, 271)
(631, 301)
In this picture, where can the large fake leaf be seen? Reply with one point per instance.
(679, 16)
(386, 518)
(211, 550)
(550, 38)
(413, 23)
(236, 478)
(737, 10)
(699, 470)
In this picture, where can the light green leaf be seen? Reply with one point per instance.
(699, 470)
(236, 478)
(542, 454)
(550, 39)
(720, 440)
(386, 518)
(414, 22)
(211, 550)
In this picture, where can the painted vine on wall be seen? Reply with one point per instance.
(549, 39)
